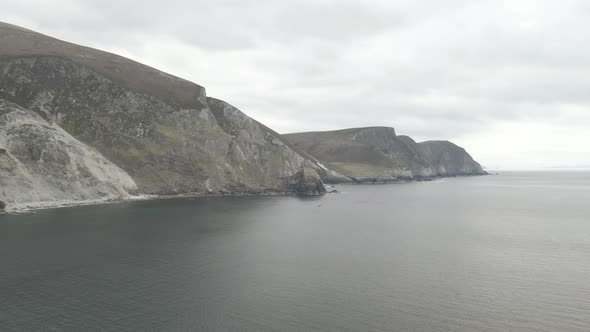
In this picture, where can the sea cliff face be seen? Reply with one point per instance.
(41, 163)
(377, 154)
(163, 133)
(82, 125)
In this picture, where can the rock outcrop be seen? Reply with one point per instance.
(306, 182)
(377, 154)
(163, 132)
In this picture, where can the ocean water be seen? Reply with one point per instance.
(499, 253)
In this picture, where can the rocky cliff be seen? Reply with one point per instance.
(40, 163)
(82, 125)
(161, 134)
(377, 154)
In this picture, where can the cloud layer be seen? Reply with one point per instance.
(508, 80)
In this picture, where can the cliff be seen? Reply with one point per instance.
(377, 154)
(82, 125)
(41, 163)
(162, 133)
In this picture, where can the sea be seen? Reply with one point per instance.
(505, 252)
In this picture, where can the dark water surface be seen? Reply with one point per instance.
(496, 253)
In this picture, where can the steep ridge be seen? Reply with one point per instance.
(159, 129)
(377, 154)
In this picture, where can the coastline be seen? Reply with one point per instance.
(31, 207)
(386, 180)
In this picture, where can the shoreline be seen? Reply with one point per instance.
(23, 208)
(31, 207)
(377, 180)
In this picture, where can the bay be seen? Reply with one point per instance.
(495, 253)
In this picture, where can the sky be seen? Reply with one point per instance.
(507, 80)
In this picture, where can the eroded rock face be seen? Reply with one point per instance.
(377, 154)
(262, 157)
(157, 143)
(159, 129)
(43, 163)
(306, 182)
(449, 159)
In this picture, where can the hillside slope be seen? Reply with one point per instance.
(159, 129)
(377, 154)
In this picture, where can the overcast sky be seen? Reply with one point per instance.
(507, 80)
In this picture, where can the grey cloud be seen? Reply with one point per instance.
(465, 70)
